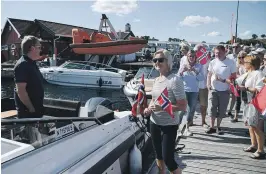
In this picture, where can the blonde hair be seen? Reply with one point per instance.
(167, 55)
(241, 54)
(254, 61)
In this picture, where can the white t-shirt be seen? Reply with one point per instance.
(203, 83)
(223, 69)
(241, 69)
(183, 61)
(232, 56)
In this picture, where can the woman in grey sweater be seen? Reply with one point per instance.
(164, 127)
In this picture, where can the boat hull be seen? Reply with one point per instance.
(82, 78)
(109, 48)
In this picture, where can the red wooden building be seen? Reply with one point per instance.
(53, 35)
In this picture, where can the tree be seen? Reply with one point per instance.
(145, 37)
(263, 36)
(170, 39)
(203, 42)
(221, 43)
(254, 36)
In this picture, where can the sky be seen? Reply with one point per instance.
(193, 21)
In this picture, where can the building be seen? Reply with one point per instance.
(55, 38)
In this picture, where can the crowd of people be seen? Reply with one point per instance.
(210, 84)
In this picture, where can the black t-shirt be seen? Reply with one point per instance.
(26, 71)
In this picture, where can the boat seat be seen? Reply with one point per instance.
(61, 108)
(8, 114)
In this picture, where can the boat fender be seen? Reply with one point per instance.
(135, 160)
(100, 82)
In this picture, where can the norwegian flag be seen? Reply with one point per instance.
(259, 101)
(233, 89)
(202, 54)
(165, 103)
(140, 99)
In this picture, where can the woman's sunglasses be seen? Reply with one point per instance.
(160, 60)
(241, 57)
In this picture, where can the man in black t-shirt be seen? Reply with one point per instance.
(29, 92)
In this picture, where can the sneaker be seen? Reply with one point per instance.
(219, 131)
(188, 133)
(230, 114)
(210, 130)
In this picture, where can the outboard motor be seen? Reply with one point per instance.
(100, 108)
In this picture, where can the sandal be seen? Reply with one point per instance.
(250, 149)
(258, 155)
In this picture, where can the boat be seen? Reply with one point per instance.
(99, 43)
(85, 74)
(131, 88)
(74, 139)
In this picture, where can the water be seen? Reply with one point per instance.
(72, 93)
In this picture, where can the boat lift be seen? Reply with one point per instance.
(104, 22)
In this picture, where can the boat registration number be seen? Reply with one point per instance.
(64, 130)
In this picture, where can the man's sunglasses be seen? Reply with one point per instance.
(160, 60)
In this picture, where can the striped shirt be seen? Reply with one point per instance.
(176, 91)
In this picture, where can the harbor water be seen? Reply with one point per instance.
(72, 93)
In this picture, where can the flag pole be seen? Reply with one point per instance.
(237, 19)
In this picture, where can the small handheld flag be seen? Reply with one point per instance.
(233, 90)
(165, 103)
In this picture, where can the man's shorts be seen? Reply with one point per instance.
(218, 101)
(203, 97)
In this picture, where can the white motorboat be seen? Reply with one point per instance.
(85, 74)
(131, 88)
(96, 141)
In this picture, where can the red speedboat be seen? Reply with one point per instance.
(102, 44)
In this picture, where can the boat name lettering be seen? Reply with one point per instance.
(105, 82)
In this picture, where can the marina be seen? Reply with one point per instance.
(76, 88)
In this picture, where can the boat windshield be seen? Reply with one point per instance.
(149, 73)
(73, 65)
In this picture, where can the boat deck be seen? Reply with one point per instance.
(217, 154)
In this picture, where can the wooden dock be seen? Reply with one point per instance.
(217, 154)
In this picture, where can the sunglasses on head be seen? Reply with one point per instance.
(160, 60)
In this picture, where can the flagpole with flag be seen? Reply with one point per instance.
(140, 102)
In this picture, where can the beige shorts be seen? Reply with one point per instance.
(203, 97)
